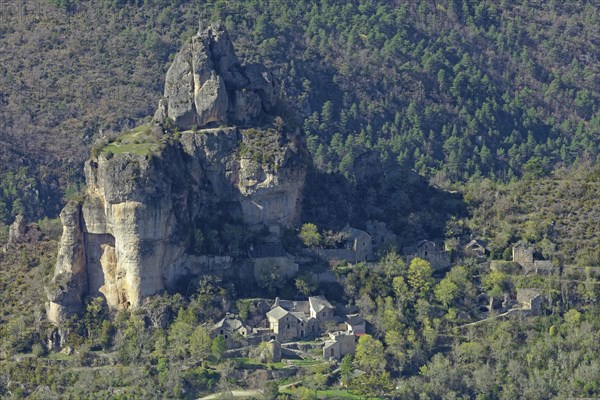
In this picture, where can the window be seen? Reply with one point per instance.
(288, 326)
(221, 331)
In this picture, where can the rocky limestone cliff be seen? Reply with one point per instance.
(206, 84)
(129, 237)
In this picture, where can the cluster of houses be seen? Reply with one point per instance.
(285, 321)
(288, 321)
(360, 246)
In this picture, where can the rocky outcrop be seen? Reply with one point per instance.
(69, 284)
(21, 232)
(207, 85)
(129, 238)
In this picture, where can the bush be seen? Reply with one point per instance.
(310, 236)
(38, 350)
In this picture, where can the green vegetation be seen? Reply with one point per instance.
(262, 146)
(453, 89)
(310, 236)
(559, 214)
(420, 342)
(138, 141)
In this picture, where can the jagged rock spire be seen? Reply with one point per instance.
(206, 84)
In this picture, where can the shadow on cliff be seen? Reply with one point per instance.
(409, 206)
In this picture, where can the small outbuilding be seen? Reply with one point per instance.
(476, 248)
(339, 344)
(432, 252)
(530, 299)
(355, 324)
(228, 327)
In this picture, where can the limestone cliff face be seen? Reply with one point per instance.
(128, 239)
(206, 84)
(130, 235)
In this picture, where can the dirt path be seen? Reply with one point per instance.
(235, 393)
(248, 392)
(511, 311)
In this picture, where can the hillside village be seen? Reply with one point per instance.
(282, 323)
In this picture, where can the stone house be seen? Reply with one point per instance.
(283, 323)
(382, 237)
(530, 299)
(543, 267)
(339, 344)
(524, 255)
(231, 328)
(291, 320)
(475, 248)
(430, 251)
(289, 326)
(320, 308)
(355, 325)
(357, 247)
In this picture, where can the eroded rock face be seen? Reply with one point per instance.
(70, 281)
(207, 85)
(129, 238)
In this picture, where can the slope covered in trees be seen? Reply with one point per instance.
(452, 88)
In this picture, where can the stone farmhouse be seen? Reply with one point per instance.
(339, 344)
(382, 237)
(357, 247)
(288, 321)
(524, 255)
(355, 325)
(230, 328)
(291, 320)
(530, 299)
(475, 248)
(430, 251)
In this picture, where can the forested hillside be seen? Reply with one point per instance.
(452, 88)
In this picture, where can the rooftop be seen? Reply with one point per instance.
(231, 324)
(277, 313)
(355, 320)
(318, 303)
